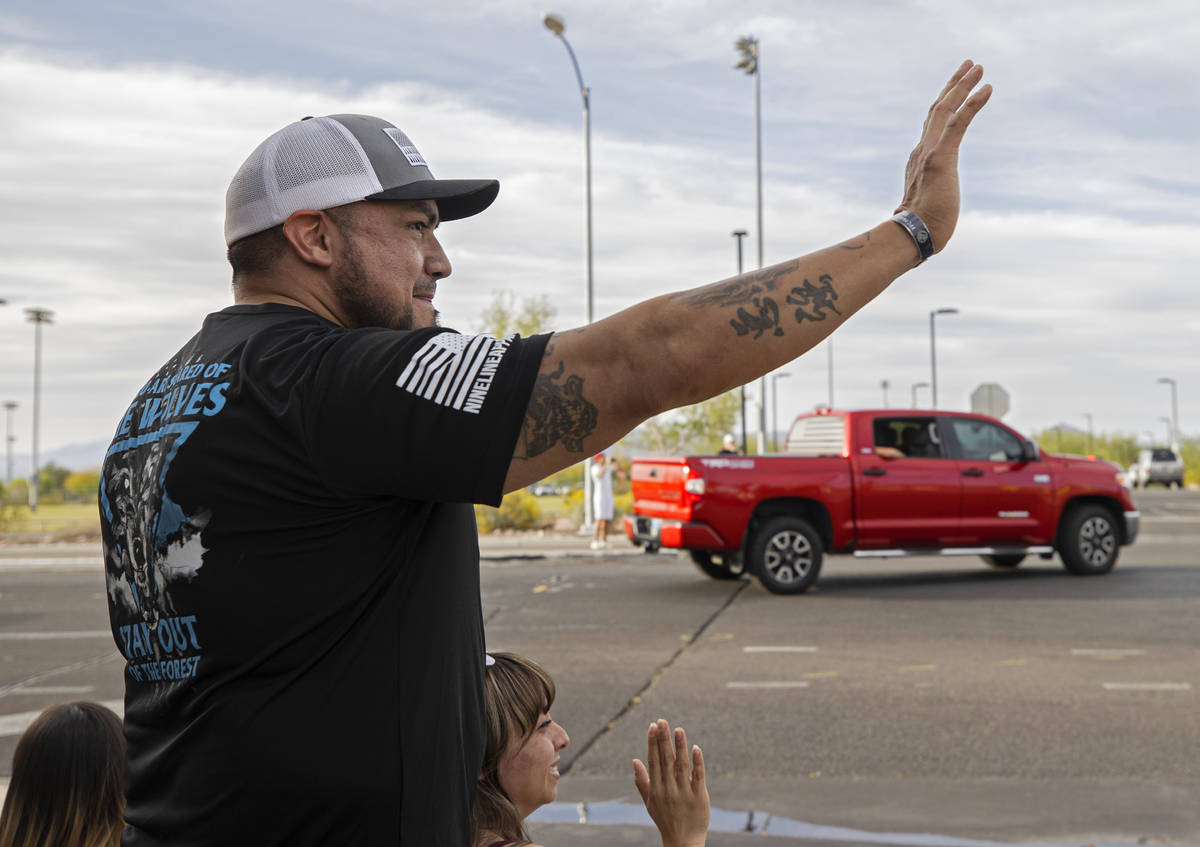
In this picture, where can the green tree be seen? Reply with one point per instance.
(692, 430)
(505, 315)
(17, 492)
(51, 478)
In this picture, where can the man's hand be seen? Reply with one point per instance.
(598, 382)
(673, 789)
(931, 177)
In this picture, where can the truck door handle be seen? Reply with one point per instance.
(874, 472)
(972, 472)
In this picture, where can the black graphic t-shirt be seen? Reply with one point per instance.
(293, 579)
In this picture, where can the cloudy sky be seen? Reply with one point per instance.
(1074, 268)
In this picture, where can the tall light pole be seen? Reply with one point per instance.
(556, 25)
(829, 350)
(738, 235)
(747, 47)
(775, 403)
(933, 352)
(1174, 439)
(10, 406)
(917, 385)
(884, 385)
(37, 317)
(1088, 415)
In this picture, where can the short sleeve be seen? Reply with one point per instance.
(426, 414)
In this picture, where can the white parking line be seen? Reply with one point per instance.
(55, 636)
(779, 649)
(766, 685)
(1106, 651)
(1147, 686)
(54, 689)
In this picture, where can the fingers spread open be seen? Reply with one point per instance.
(666, 755)
(697, 767)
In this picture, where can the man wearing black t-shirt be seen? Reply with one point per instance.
(290, 547)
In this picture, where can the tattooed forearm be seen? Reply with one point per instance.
(856, 243)
(557, 413)
(740, 290)
(813, 298)
(811, 302)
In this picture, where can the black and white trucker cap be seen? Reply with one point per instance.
(319, 163)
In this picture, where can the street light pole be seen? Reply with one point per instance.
(37, 317)
(738, 235)
(1174, 439)
(933, 352)
(775, 403)
(556, 25)
(9, 407)
(747, 47)
(917, 385)
(884, 385)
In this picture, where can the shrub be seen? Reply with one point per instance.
(518, 510)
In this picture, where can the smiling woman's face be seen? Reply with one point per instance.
(528, 770)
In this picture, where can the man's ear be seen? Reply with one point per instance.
(311, 235)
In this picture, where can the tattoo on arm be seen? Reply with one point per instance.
(557, 413)
(757, 311)
(856, 243)
(739, 290)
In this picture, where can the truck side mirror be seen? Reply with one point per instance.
(1029, 451)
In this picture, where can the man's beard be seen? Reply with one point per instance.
(363, 307)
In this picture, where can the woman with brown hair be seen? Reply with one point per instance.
(520, 764)
(67, 780)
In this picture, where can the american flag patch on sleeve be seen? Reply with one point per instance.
(455, 370)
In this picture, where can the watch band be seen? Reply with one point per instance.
(917, 229)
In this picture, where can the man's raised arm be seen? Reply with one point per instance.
(598, 382)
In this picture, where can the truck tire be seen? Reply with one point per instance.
(1004, 561)
(1087, 540)
(716, 565)
(786, 555)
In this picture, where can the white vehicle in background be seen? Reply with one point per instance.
(1161, 465)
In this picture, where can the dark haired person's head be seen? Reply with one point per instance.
(519, 770)
(67, 780)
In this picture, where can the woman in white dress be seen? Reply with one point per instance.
(602, 499)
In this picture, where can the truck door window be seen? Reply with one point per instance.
(914, 438)
(985, 442)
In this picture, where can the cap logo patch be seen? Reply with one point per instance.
(406, 146)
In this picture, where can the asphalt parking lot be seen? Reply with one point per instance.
(918, 701)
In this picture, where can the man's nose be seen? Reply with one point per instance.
(437, 264)
(563, 740)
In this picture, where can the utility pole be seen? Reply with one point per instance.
(37, 317)
(9, 407)
(739, 234)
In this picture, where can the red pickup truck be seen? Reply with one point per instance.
(882, 482)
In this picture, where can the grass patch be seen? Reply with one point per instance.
(51, 519)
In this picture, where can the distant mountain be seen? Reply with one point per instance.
(75, 457)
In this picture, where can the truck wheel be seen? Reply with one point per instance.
(1004, 561)
(786, 555)
(716, 565)
(1088, 541)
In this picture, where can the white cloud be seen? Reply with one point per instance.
(1070, 266)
